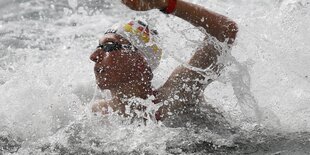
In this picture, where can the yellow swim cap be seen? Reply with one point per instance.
(140, 36)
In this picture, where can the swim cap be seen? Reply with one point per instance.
(140, 36)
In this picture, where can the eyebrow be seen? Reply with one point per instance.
(116, 38)
(107, 40)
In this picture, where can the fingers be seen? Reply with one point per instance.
(104, 111)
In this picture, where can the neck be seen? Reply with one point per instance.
(132, 89)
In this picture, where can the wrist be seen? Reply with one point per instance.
(170, 6)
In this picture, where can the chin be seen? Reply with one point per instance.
(104, 85)
(101, 85)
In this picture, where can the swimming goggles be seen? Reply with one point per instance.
(114, 46)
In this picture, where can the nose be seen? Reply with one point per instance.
(95, 57)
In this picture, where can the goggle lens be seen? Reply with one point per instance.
(112, 46)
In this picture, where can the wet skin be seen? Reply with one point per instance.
(116, 68)
(128, 75)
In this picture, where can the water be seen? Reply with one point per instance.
(47, 83)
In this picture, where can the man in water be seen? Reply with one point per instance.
(127, 54)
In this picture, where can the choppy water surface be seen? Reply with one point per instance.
(47, 84)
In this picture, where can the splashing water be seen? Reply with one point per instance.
(47, 84)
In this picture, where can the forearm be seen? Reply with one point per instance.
(215, 24)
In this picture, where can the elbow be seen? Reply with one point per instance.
(231, 32)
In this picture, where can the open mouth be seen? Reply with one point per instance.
(99, 69)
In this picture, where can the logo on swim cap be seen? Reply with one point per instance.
(140, 36)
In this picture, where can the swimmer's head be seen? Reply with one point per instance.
(127, 53)
(142, 37)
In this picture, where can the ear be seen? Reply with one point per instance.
(144, 69)
(141, 64)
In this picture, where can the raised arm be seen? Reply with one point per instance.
(215, 24)
(184, 82)
(218, 26)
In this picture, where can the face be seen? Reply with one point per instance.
(119, 66)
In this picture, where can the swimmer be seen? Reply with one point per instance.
(128, 54)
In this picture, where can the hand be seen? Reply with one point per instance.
(144, 5)
(100, 107)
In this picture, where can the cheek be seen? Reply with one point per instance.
(125, 69)
(121, 66)
(129, 69)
